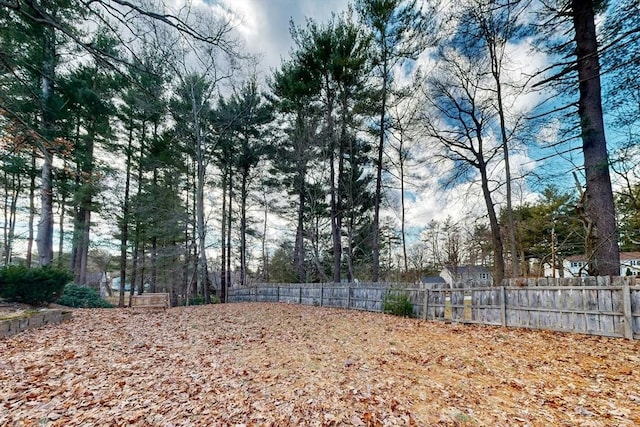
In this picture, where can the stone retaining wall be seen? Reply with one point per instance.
(13, 326)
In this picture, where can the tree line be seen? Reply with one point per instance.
(148, 117)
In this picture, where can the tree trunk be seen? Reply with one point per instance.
(63, 208)
(143, 262)
(138, 208)
(350, 211)
(201, 232)
(134, 264)
(223, 240)
(496, 239)
(11, 195)
(375, 236)
(5, 228)
(154, 263)
(403, 224)
(175, 274)
(80, 245)
(316, 252)
(298, 255)
(265, 227)
(188, 243)
(515, 263)
(336, 238)
(350, 250)
(229, 224)
(85, 185)
(496, 66)
(340, 206)
(604, 255)
(45, 226)
(10, 205)
(192, 250)
(243, 227)
(124, 227)
(335, 226)
(84, 258)
(154, 237)
(32, 210)
(375, 229)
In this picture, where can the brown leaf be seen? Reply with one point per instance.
(280, 365)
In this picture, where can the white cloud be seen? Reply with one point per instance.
(264, 24)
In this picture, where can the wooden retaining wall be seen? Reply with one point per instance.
(595, 306)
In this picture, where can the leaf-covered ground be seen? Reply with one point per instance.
(287, 365)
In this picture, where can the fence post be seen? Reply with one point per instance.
(626, 306)
(278, 294)
(425, 304)
(321, 293)
(503, 306)
(349, 297)
(300, 294)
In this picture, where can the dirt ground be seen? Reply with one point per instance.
(12, 310)
(287, 365)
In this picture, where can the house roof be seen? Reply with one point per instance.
(469, 269)
(628, 256)
(624, 256)
(432, 279)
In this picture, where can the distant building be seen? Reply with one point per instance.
(575, 266)
(578, 265)
(544, 269)
(630, 263)
(466, 273)
(433, 282)
(115, 285)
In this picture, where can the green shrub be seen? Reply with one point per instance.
(196, 300)
(397, 303)
(199, 300)
(34, 286)
(82, 297)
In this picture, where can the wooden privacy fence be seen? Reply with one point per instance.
(359, 296)
(595, 310)
(609, 309)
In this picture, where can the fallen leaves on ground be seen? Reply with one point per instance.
(287, 365)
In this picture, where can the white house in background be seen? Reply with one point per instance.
(630, 263)
(466, 273)
(545, 269)
(577, 265)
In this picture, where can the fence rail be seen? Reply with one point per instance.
(577, 305)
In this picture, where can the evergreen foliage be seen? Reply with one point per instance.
(199, 300)
(34, 286)
(281, 268)
(82, 297)
(397, 303)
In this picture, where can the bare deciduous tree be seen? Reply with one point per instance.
(457, 113)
